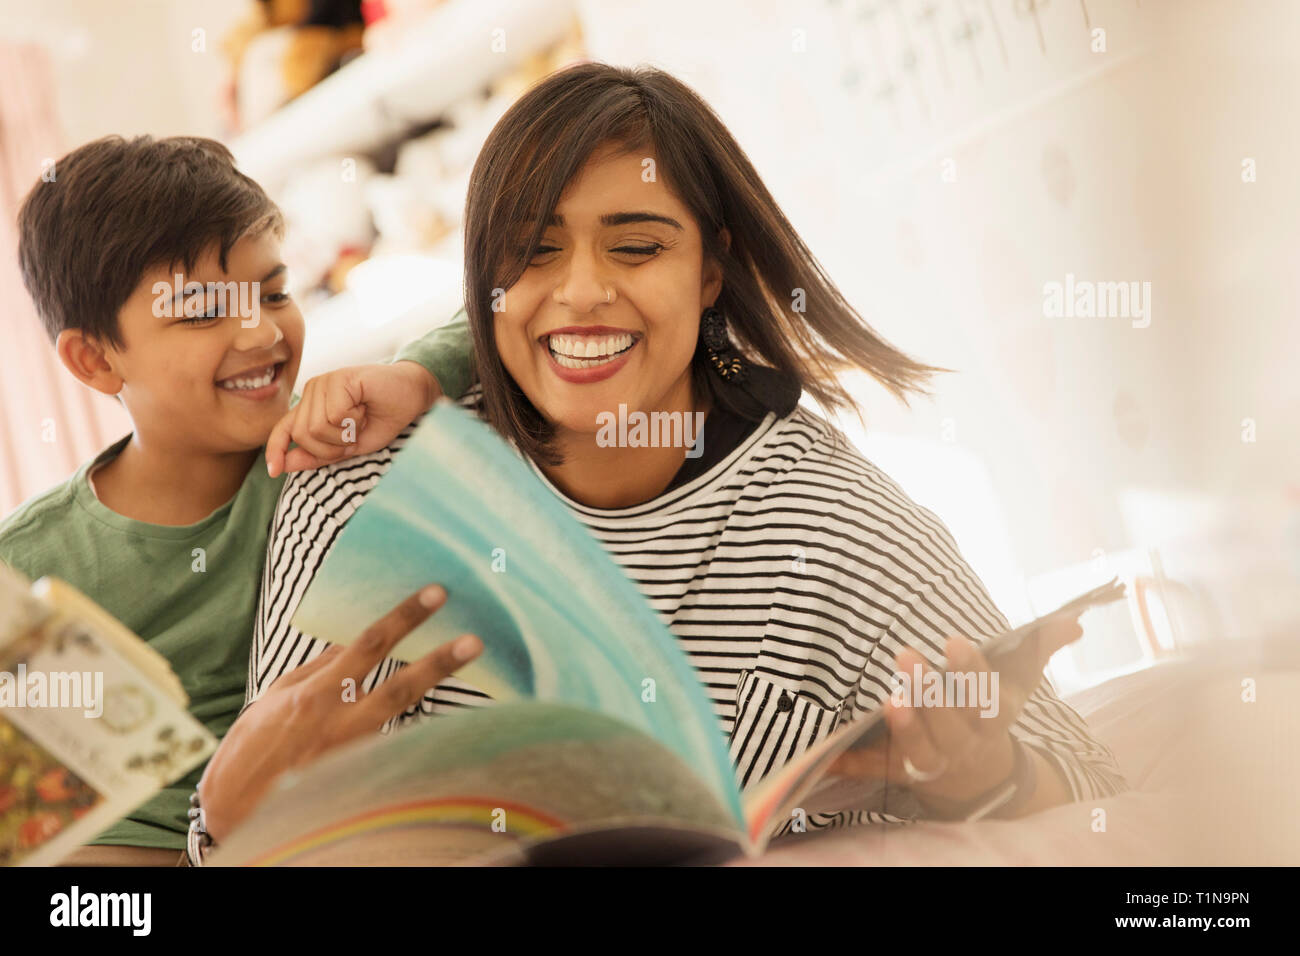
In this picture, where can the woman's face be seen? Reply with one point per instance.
(607, 313)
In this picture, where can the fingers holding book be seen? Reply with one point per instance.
(950, 741)
(319, 706)
(378, 640)
(948, 730)
(409, 684)
(412, 682)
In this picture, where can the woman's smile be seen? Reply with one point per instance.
(583, 355)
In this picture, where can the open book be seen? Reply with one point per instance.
(92, 721)
(603, 745)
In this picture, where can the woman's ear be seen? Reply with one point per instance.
(88, 361)
(713, 272)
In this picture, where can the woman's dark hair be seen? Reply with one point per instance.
(547, 136)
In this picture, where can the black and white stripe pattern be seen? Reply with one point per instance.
(792, 572)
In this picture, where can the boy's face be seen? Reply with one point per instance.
(211, 370)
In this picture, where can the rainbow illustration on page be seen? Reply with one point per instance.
(473, 813)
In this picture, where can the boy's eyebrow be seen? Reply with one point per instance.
(280, 267)
(622, 219)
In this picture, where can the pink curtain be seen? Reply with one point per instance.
(49, 422)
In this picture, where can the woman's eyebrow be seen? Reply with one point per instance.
(622, 219)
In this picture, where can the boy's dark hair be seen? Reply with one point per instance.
(117, 207)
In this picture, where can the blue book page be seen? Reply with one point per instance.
(559, 620)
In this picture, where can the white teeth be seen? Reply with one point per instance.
(249, 383)
(585, 351)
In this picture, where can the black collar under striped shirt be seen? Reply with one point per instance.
(790, 568)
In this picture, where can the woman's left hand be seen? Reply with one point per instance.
(949, 754)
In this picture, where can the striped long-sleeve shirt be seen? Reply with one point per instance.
(792, 572)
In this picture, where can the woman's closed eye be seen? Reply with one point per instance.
(629, 250)
(639, 249)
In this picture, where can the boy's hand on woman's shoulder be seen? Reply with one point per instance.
(347, 412)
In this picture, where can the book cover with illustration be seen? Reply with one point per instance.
(602, 746)
(92, 721)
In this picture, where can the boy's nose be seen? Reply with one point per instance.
(258, 331)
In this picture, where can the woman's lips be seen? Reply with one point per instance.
(591, 373)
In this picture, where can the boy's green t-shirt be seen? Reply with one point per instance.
(447, 353)
(190, 591)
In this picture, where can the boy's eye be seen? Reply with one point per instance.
(276, 298)
(202, 319)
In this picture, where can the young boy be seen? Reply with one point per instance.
(167, 528)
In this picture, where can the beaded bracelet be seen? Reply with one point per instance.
(197, 841)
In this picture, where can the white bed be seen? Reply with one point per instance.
(1215, 778)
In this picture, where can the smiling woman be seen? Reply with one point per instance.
(614, 231)
(644, 220)
(632, 187)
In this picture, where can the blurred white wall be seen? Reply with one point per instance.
(131, 66)
(943, 180)
(945, 161)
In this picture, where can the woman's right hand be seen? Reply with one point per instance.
(306, 711)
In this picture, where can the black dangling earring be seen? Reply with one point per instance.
(724, 358)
